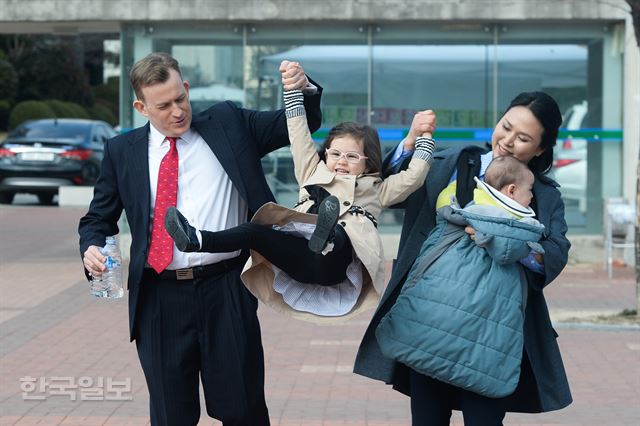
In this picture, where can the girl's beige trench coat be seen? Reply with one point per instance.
(368, 191)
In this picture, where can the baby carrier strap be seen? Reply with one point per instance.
(451, 233)
(468, 167)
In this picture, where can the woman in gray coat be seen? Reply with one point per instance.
(528, 131)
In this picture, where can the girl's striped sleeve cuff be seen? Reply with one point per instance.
(424, 148)
(294, 103)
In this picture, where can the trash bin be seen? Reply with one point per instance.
(619, 221)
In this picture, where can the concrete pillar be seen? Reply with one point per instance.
(631, 123)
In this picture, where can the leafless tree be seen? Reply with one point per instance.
(635, 17)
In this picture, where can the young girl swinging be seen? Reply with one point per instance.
(325, 257)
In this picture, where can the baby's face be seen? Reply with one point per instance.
(522, 192)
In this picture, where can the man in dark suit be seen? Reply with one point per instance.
(189, 313)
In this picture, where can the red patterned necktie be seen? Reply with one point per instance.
(161, 247)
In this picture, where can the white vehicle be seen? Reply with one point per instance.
(570, 159)
(203, 97)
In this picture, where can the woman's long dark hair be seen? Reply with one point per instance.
(547, 112)
(366, 135)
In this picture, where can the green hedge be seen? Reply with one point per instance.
(63, 109)
(29, 110)
(60, 108)
(5, 108)
(110, 90)
(100, 112)
(77, 110)
(111, 106)
(8, 80)
(52, 108)
(108, 96)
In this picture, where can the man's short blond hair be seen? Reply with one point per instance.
(152, 69)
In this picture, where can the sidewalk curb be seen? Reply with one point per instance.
(596, 326)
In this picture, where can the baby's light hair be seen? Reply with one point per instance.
(505, 170)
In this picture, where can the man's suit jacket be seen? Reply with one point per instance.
(238, 137)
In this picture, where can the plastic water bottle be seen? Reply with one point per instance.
(109, 285)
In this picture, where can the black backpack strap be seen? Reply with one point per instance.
(468, 167)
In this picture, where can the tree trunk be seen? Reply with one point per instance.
(635, 17)
(637, 236)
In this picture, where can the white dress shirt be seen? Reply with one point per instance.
(206, 195)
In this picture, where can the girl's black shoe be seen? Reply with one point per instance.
(182, 233)
(328, 212)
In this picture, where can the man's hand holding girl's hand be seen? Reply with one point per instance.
(423, 124)
(293, 76)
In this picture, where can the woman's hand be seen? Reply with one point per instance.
(423, 124)
(293, 76)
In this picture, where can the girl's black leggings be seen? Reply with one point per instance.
(287, 252)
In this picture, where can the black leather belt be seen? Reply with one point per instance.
(197, 271)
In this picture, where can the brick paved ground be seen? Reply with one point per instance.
(50, 328)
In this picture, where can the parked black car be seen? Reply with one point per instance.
(39, 156)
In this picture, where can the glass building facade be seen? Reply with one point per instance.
(383, 74)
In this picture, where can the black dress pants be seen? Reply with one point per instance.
(432, 402)
(288, 252)
(201, 329)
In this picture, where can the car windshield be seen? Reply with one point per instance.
(52, 130)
